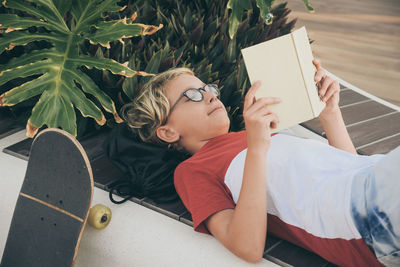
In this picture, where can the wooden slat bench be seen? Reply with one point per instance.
(8, 124)
(373, 126)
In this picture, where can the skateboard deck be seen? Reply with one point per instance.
(53, 204)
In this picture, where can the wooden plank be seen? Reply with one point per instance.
(314, 125)
(172, 209)
(364, 111)
(381, 147)
(368, 132)
(92, 144)
(271, 242)
(186, 218)
(8, 124)
(20, 150)
(104, 172)
(350, 113)
(350, 97)
(295, 256)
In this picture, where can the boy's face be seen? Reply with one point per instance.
(195, 121)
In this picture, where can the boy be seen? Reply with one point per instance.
(321, 197)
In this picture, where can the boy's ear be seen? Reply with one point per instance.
(167, 134)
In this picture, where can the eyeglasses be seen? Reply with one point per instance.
(195, 94)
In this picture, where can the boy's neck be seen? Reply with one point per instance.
(194, 147)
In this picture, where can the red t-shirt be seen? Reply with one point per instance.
(200, 182)
(204, 192)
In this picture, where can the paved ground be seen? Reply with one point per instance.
(358, 40)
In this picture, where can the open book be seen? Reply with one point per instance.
(284, 66)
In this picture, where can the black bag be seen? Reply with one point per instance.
(148, 168)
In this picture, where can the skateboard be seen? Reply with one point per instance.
(53, 204)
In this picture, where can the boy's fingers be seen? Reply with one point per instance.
(263, 102)
(324, 87)
(317, 63)
(249, 98)
(269, 100)
(319, 75)
(330, 92)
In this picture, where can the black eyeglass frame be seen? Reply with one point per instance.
(214, 90)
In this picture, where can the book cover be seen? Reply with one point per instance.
(284, 66)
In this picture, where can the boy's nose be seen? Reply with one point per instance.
(209, 97)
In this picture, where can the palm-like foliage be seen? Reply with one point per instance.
(56, 72)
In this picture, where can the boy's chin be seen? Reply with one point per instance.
(224, 127)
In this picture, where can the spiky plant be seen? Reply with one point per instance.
(55, 72)
(195, 35)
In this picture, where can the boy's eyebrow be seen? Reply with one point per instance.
(191, 87)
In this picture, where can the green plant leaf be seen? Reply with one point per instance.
(116, 30)
(62, 6)
(58, 74)
(105, 64)
(265, 7)
(88, 86)
(54, 107)
(88, 12)
(22, 38)
(18, 23)
(31, 57)
(25, 91)
(237, 7)
(44, 11)
(310, 8)
(24, 71)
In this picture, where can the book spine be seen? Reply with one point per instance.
(305, 57)
(302, 73)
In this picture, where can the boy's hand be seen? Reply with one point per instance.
(328, 89)
(258, 118)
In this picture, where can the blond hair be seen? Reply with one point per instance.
(150, 109)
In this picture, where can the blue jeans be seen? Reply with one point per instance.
(375, 204)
